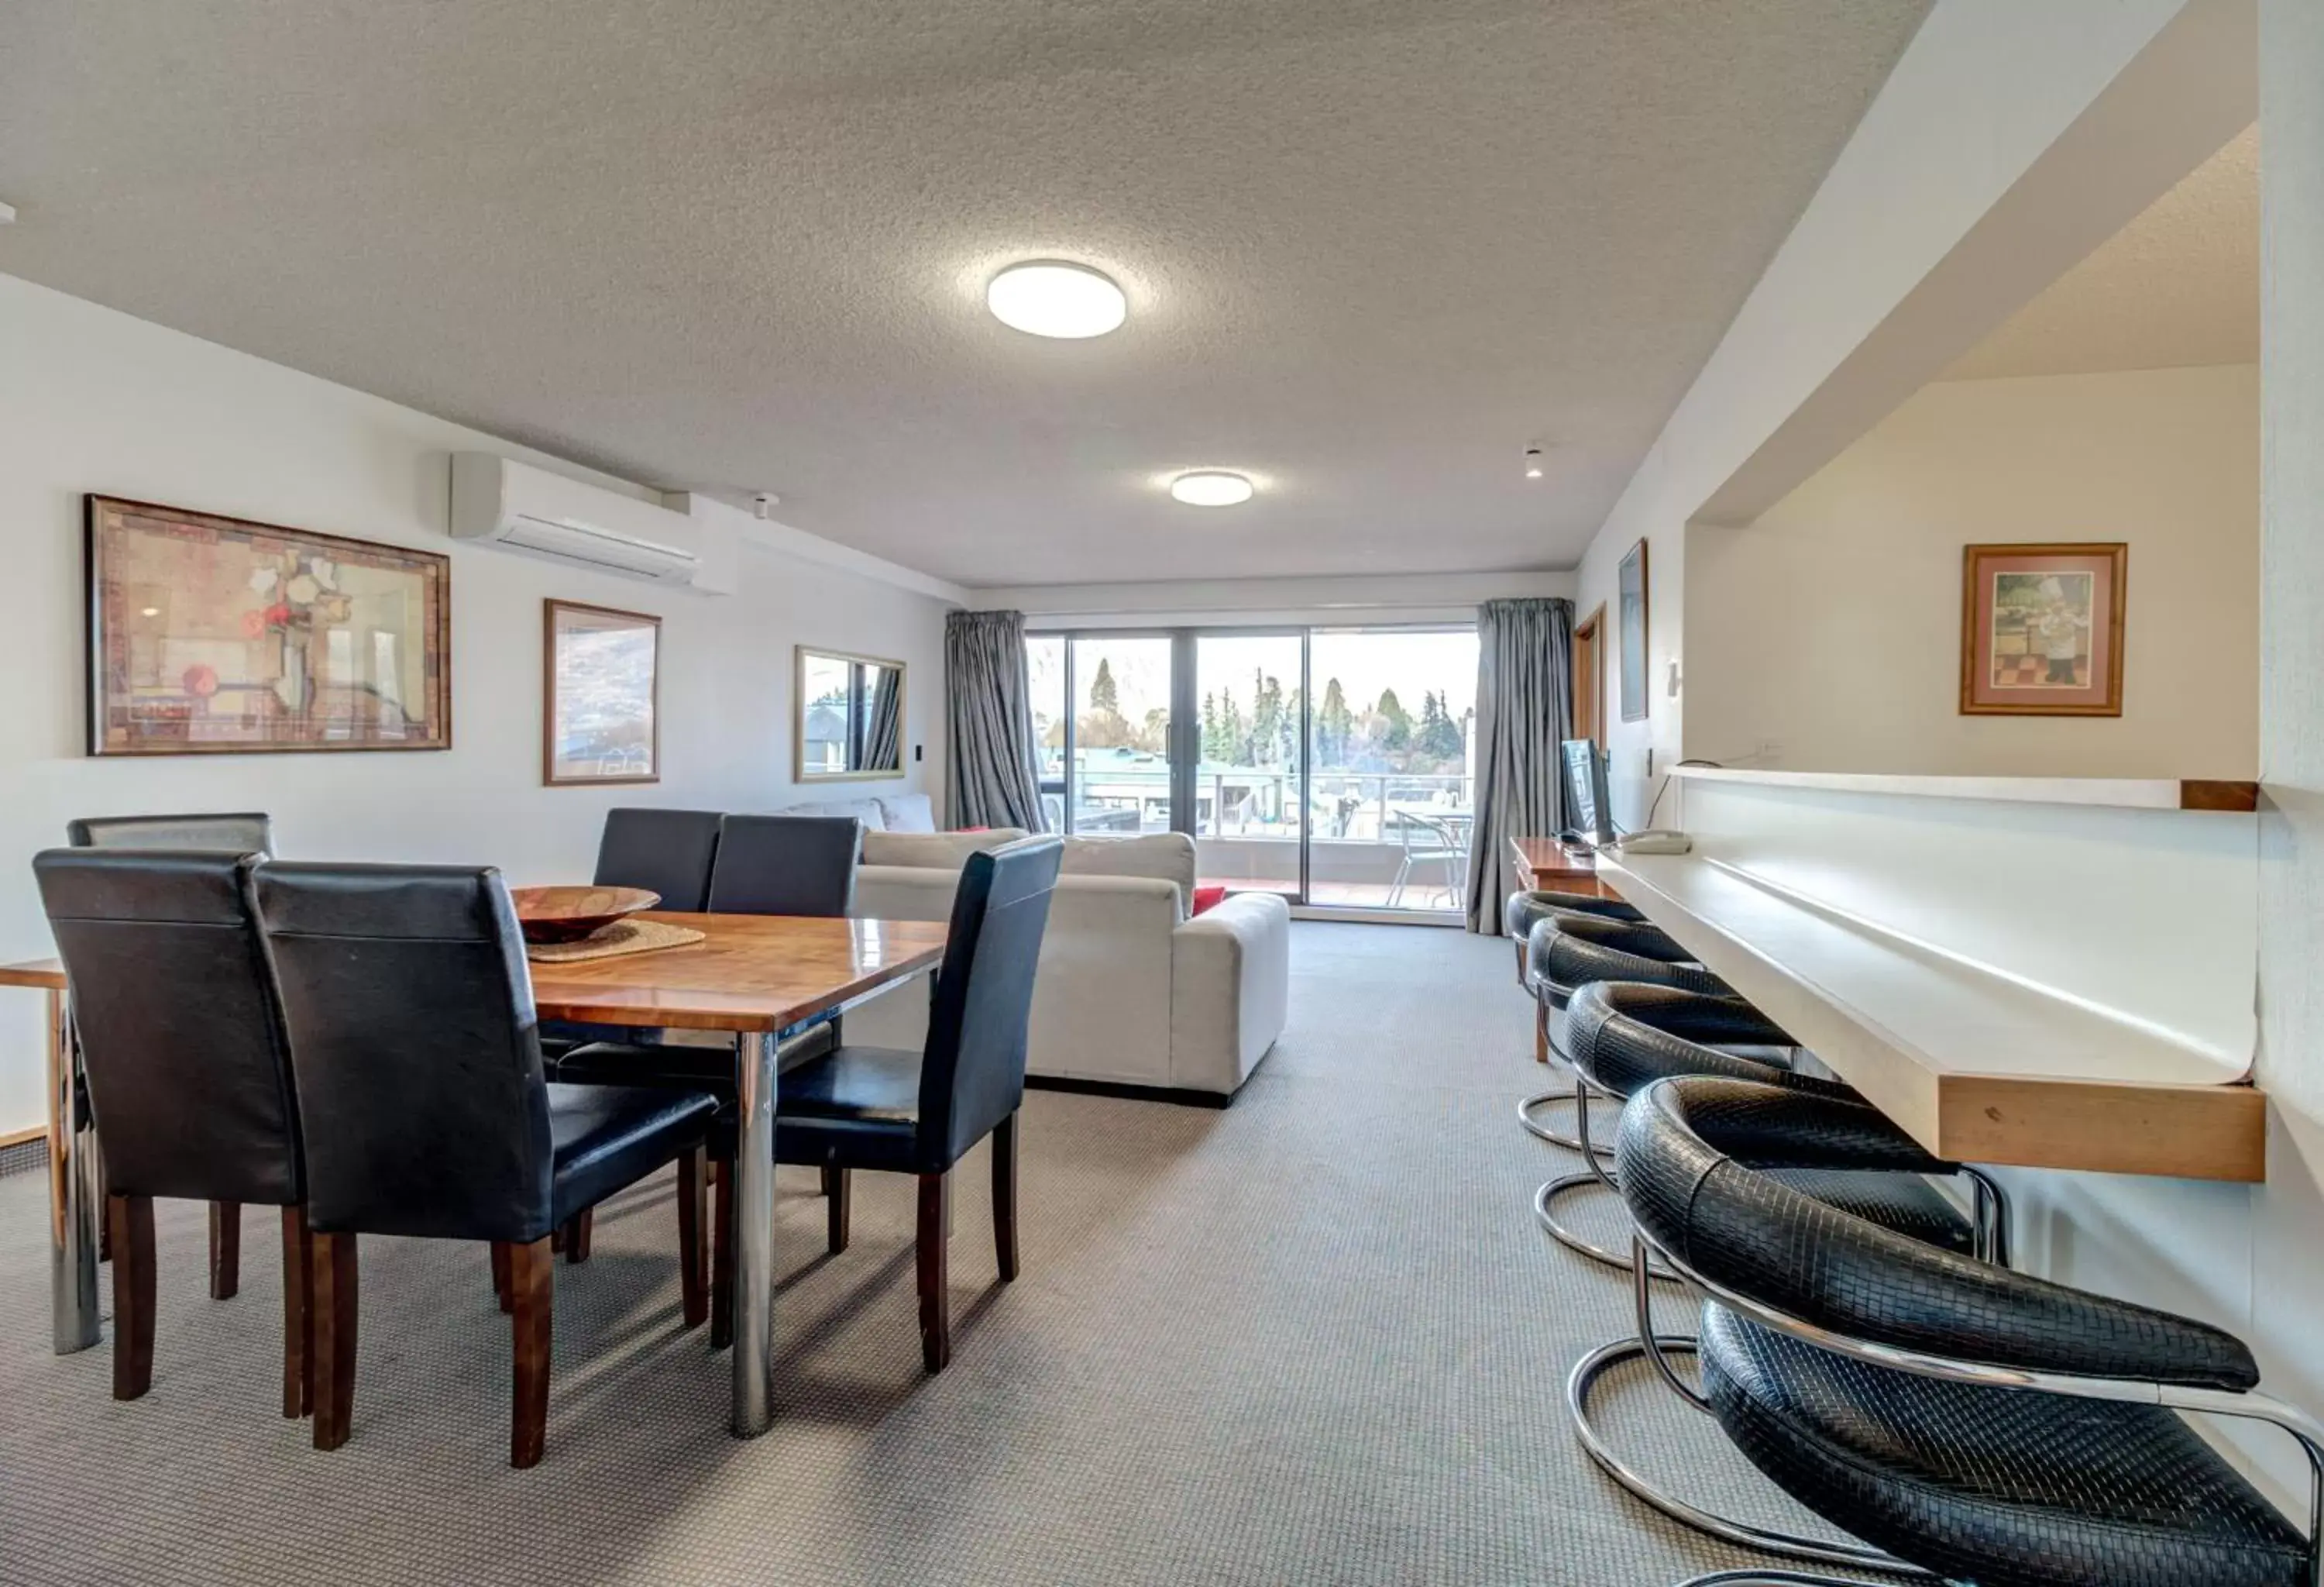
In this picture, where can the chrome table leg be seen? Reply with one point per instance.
(754, 1232)
(72, 1191)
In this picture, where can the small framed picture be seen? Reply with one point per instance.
(2041, 630)
(600, 720)
(1631, 600)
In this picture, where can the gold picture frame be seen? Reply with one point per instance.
(601, 696)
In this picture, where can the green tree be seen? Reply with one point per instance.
(1335, 725)
(1395, 722)
(1266, 720)
(1104, 696)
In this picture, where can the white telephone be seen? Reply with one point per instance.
(1653, 840)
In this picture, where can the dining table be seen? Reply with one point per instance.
(756, 978)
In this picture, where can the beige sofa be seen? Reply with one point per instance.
(1130, 990)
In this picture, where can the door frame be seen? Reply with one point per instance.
(1588, 701)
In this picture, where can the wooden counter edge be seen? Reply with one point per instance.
(2176, 1131)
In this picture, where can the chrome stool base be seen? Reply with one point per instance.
(1570, 1139)
(1774, 1578)
(1544, 1213)
(1743, 1534)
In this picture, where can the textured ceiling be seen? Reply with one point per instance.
(2178, 286)
(1374, 247)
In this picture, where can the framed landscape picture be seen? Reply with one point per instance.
(1630, 599)
(211, 635)
(600, 720)
(2041, 630)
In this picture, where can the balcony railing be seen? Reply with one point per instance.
(1392, 839)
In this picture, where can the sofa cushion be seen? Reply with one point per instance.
(1160, 856)
(907, 813)
(866, 810)
(937, 851)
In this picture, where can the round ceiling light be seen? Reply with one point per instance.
(1211, 487)
(1049, 298)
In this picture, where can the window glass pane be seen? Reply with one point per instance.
(1044, 665)
(1246, 818)
(1121, 780)
(1392, 739)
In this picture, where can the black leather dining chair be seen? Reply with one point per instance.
(1979, 1425)
(669, 854)
(665, 851)
(802, 865)
(424, 1111)
(900, 1112)
(232, 832)
(180, 1029)
(785, 865)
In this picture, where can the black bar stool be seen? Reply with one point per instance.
(1526, 905)
(1978, 1425)
(1851, 1161)
(1569, 951)
(1623, 1037)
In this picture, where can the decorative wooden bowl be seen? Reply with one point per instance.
(568, 914)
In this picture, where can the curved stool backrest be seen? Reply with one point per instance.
(1571, 951)
(1525, 907)
(1623, 1035)
(1690, 1158)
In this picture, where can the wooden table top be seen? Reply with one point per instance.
(1547, 857)
(754, 973)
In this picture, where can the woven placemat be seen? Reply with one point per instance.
(622, 937)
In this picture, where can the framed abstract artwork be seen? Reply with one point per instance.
(1630, 598)
(2041, 630)
(601, 720)
(210, 636)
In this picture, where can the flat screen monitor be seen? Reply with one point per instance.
(1585, 770)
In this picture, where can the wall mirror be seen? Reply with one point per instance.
(851, 717)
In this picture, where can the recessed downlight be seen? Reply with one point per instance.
(1211, 487)
(1050, 298)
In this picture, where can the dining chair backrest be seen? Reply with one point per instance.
(413, 1039)
(180, 1021)
(665, 851)
(785, 865)
(973, 1068)
(242, 832)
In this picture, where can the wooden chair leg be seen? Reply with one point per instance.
(225, 1249)
(577, 1229)
(1004, 1195)
(501, 1276)
(839, 1193)
(131, 1219)
(691, 1266)
(936, 1287)
(722, 1254)
(532, 1279)
(333, 1299)
(297, 1323)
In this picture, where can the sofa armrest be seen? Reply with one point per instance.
(1230, 990)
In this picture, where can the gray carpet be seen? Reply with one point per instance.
(1312, 1339)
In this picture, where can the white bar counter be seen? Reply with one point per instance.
(2015, 974)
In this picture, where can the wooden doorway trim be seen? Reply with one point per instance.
(1589, 679)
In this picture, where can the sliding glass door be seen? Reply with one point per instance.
(1334, 766)
(1250, 783)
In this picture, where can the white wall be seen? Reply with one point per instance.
(91, 399)
(1830, 628)
(1349, 600)
(2008, 142)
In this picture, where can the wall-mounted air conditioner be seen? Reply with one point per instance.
(519, 508)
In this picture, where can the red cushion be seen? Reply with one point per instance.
(1208, 895)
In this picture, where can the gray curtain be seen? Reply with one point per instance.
(884, 747)
(992, 773)
(1525, 706)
